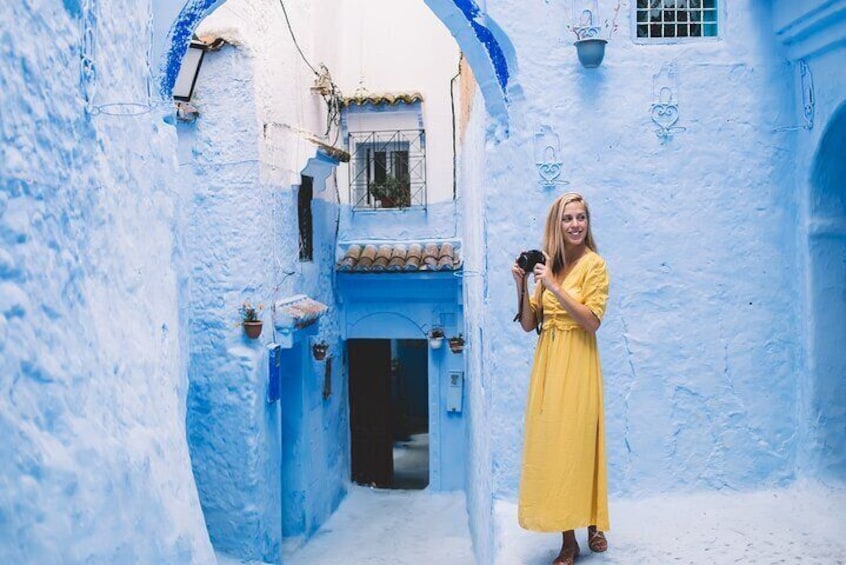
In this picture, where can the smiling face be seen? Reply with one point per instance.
(574, 224)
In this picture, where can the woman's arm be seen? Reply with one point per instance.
(578, 311)
(528, 320)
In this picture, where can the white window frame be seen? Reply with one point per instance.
(719, 7)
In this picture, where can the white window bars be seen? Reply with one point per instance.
(387, 169)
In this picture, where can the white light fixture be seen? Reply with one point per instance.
(183, 89)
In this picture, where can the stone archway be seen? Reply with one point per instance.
(826, 415)
(488, 50)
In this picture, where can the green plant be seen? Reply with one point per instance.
(436, 333)
(249, 313)
(392, 192)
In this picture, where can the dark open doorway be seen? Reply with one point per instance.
(389, 421)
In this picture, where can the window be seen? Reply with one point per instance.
(387, 169)
(304, 198)
(676, 18)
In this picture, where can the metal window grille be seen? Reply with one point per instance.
(676, 18)
(387, 169)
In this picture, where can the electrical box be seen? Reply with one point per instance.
(274, 368)
(455, 392)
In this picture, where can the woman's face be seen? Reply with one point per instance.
(574, 224)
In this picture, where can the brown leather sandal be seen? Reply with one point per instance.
(597, 541)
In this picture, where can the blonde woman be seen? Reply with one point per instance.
(563, 484)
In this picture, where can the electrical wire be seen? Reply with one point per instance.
(294, 37)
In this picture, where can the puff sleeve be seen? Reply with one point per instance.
(595, 287)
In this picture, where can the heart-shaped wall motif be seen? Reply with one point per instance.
(549, 172)
(665, 115)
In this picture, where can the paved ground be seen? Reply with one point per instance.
(802, 524)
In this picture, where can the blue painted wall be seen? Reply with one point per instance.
(812, 33)
(94, 464)
(241, 232)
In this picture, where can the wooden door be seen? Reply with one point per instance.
(370, 412)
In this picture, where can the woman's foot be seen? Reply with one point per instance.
(567, 555)
(596, 540)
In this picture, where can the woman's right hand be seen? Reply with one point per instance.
(519, 275)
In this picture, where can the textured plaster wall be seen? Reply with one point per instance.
(813, 32)
(94, 464)
(700, 346)
(471, 173)
(240, 170)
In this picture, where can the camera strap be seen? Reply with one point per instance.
(520, 309)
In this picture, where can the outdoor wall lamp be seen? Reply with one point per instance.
(183, 88)
(585, 24)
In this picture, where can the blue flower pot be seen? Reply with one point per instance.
(591, 52)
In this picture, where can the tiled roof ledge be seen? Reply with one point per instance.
(398, 256)
(295, 313)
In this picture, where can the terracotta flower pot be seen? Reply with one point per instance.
(456, 346)
(252, 329)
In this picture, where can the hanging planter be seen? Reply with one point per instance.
(591, 51)
(587, 26)
(318, 350)
(250, 320)
(456, 343)
(436, 338)
(252, 329)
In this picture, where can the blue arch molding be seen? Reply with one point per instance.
(495, 53)
(180, 36)
(487, 48)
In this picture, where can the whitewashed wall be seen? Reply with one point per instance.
(94, 464)
(397, 46)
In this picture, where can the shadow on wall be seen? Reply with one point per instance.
(826, 402)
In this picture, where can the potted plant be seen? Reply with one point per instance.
(392, 192)
(250, 319)
(436, 338)
(590, 47)
(456, 343)
(319, 350)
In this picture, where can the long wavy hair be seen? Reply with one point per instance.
(553, 233)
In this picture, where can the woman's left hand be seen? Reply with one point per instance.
(543, 273)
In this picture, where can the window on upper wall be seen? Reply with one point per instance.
(387, 169)
(662, 19)
(304, 199)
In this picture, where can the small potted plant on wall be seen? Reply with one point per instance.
(590, 45)
(456, 343)
(436, 338)
(250, 319)
(319, 350)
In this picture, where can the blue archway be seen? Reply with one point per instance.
(486, 47)
(826, 398)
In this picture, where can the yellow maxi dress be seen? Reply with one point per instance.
(563, 484)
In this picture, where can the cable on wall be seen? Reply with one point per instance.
(323, 84)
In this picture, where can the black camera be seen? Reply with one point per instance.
(528, 259)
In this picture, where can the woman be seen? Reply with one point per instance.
(563, 483)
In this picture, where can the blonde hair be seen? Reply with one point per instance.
(553, 236)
